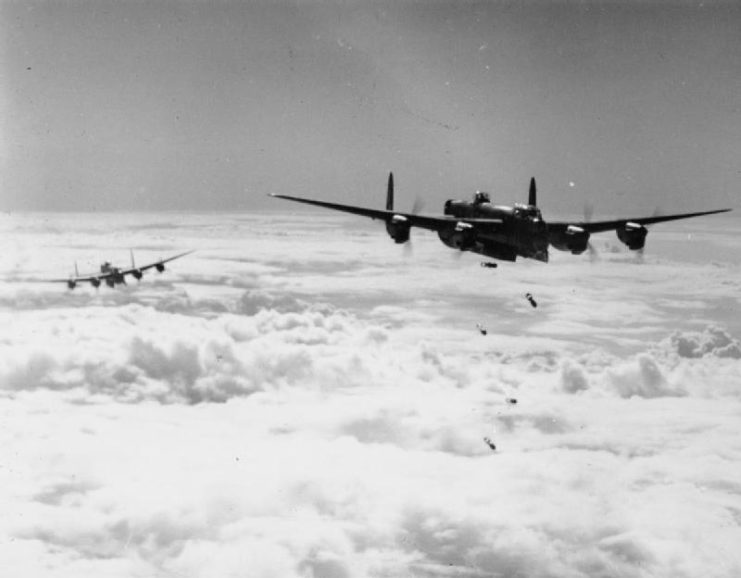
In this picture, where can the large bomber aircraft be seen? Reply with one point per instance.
(112, 275)
(502, 232)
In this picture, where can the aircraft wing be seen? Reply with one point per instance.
(155, 264)
(429, 222)
(601, 226)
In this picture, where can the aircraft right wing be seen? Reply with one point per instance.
(429, 222)
(601, 226)
(157, 264)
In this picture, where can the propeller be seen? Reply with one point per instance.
(640, 252)
(639, 255)
(588, 212)
(417, 207)
(408, 249)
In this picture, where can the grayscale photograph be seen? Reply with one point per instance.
(370, 289)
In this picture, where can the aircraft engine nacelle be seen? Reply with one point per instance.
(110, 281)
(633, 235)
(71, 284)
(95, 283)
(574, 239)
(462, 236)
(137, 274)
(398, 228)
(160, 267)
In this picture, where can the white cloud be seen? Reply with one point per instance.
(236, 417)
(712, 341)
(643, 377)
(573, 378)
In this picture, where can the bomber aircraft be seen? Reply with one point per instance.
(112, 276)
(502, 232)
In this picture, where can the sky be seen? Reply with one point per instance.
(190, 105)
(275, 404)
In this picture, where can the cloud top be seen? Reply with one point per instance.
(321, 411)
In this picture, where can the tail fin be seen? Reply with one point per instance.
(390, 193)
(532, 196)
(131, 252)
(77, 273)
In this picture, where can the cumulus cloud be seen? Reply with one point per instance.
(713, 341)
(135, 352)
(642, 377)
(573, 378)
(256, 300)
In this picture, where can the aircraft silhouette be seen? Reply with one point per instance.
(112, 276)
(502, 232)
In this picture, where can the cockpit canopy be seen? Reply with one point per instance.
(481, 197)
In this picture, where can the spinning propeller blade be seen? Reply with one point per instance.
(588, 212)
(417, 207)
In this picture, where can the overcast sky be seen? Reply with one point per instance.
(211, 105)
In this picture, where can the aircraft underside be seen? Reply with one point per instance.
(464, 240)
(495, 251)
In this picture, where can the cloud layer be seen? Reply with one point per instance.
(278, 406)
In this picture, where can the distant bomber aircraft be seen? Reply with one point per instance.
(502, 232)
(113, 276)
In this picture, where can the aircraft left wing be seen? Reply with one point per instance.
(429, 222)
(601, 226)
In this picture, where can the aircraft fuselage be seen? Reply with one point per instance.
(522, 232)
(115, 275)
